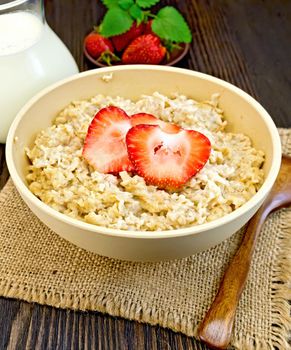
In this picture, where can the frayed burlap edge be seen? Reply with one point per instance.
(144, 313)
(281, 294)
(115, 306)
(281, 286)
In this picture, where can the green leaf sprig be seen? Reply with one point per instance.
(168, 23)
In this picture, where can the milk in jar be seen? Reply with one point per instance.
(31, 57)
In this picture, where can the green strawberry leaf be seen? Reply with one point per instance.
(169, 24)
(116, 21)
(110, 3)
(146, 3)
(136, 13)
(125, 4)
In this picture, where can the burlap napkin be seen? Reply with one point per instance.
(37, 265)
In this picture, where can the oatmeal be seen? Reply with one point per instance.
(62, 178)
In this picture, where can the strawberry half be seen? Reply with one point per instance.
(149, 119)
(166, 160)
(105, 147)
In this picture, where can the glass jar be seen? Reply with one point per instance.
(31, 57)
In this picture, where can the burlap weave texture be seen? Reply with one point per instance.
(37, 265)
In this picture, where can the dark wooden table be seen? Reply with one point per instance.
(246, 42)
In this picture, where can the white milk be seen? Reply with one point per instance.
(18, 31)
(31, 57)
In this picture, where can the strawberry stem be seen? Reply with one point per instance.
(96, 29)
(151, 15)
(171, 46)
(146, 15)
(108, 57)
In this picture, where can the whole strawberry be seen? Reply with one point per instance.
(145, 49)
(121, 41)
(96, 45)
(148, 28)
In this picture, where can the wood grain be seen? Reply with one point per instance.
(263, 31)
(246, 42)
(3, 167)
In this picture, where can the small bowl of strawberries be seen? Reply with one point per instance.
(131, 34)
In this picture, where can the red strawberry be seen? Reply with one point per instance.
(144, 49)
(105, 147)
(148, 28)
(166, 160)
(121, 41)
(145, 118)
(96, 45)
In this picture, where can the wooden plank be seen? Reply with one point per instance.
(263, 32)
(32, 326)
(3, 167)
(230, 41)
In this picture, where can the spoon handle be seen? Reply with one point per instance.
(216, 328)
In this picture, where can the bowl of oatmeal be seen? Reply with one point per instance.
(125, 205)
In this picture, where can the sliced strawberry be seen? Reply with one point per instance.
(149, 119)
(143, 118)
(166, 160)
(105, 147)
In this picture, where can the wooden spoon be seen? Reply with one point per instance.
(216, 328)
